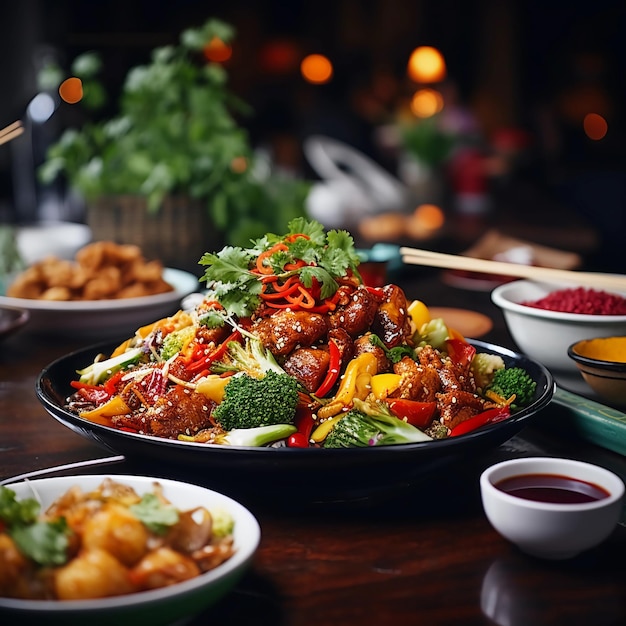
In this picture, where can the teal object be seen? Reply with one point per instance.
(590, 420)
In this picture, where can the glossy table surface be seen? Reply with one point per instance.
(425, 555)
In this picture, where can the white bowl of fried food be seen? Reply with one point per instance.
(125, 549)
(106, 289)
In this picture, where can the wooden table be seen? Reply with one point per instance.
(424, 556)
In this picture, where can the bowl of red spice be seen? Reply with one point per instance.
(545, 319)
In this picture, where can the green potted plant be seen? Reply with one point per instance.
(174, 161)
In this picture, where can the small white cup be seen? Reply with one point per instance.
(546, 529)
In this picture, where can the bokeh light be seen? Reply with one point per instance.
(41, 108)
(430, 216)
(239, 165)
(217, 51)
(426, 103)
(316, 69)
(71, 90)
(279, 56)
(595, 126)
(426, 65)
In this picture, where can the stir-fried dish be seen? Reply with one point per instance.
(107, 542)
(289, 347)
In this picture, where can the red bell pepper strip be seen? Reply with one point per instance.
(418, 414)
(490, 416)
(332, 373)
(460, 351)
(304, 422)
(218, 353)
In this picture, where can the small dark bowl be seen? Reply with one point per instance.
(602, 363)
(12, 319)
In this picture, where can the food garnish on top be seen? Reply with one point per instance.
(289, 347)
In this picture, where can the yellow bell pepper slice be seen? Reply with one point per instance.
(419, 313)
(385, 384)
(113, 406)
(321, 432)
(354, 384)
(212, 387)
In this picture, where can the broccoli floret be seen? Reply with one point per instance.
(374, 428)
(99, 371)
(513, 381)
(252, 358)
(249, 402)
(255, 437)
(484, 366)
(174, 342)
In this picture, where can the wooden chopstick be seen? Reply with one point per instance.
(413, 256)
(11, 131)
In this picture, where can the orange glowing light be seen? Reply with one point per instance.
(595, 126)
(316, 69)
(71, 90)
(426, 65)
(426, 103)
(239, 165)
(430, 216)
(217, 51)
(280, 56)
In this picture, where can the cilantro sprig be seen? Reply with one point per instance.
(45, 542)
(327, 256)
(155, 514)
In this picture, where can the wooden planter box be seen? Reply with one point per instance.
(178, 234)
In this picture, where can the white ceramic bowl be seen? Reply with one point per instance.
(59, 239)
(156, 607)
(547, 529)
(546, 335)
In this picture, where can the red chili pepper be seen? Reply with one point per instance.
(94, 394)
(332, 373)
(218, 353)
(490, 416)
(375, 291)
(110, 386)
(460, 351)
(304, 422)
(418, 414)
(284, 293)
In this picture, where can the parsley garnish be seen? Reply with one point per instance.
(328, 256)
(393, 354)
(44, 542)
(155, 514)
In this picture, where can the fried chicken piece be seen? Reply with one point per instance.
(357, 314)
(418, 382)
(287, 330)
(179, 411)
(457, 406)
(363, 344)
(308, 366)
(392, 321)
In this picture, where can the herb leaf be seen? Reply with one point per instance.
(13, 511)
(45, 543)
(154, 514)
(327, 257)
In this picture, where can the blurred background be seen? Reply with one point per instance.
(512, 117)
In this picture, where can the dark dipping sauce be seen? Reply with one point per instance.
(552, 488)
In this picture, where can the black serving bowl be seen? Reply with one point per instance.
(315, 475)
